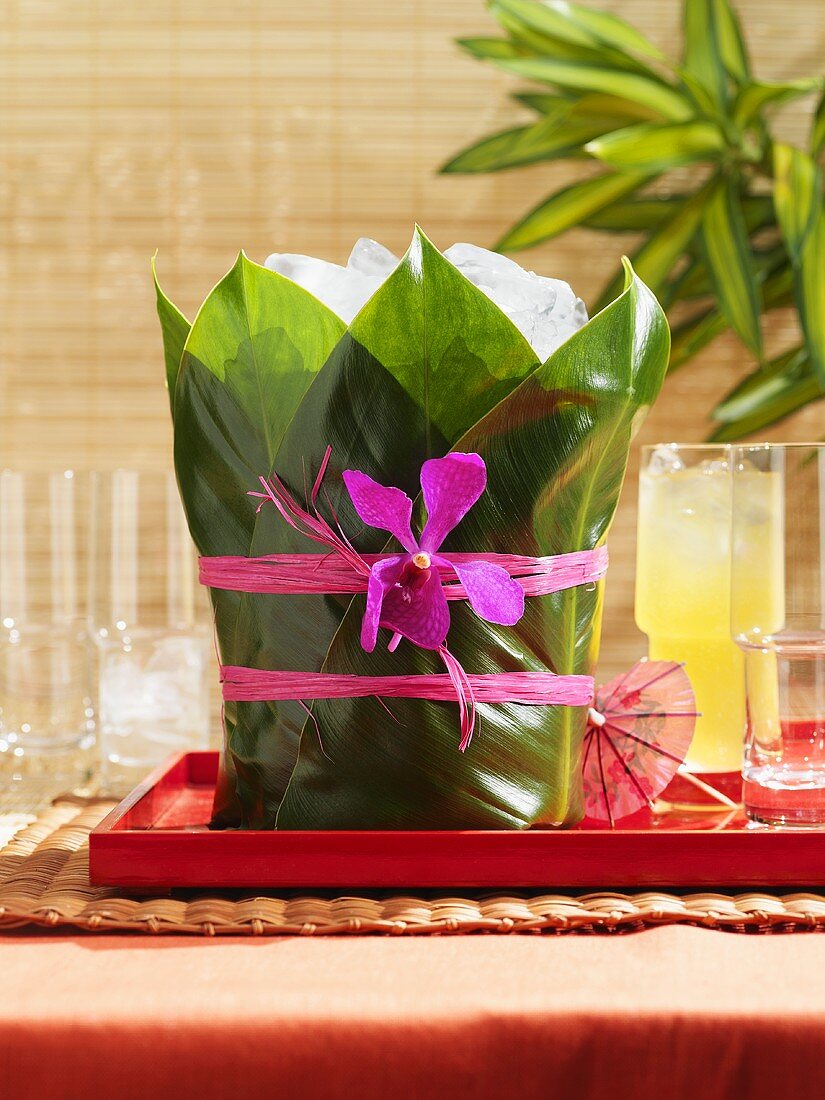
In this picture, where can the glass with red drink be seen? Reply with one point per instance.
(782, 634)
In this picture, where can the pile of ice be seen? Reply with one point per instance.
(545, 311)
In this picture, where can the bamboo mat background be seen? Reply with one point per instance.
(198, 128)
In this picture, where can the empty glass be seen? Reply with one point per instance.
(778, 621)
(151, 626)
(47, 708)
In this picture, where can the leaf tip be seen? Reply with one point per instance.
(629, 274)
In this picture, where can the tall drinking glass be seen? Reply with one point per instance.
(778, 622)
(683, 590)
(150, 624)
(47, 692)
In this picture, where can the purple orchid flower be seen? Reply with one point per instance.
(404, 592)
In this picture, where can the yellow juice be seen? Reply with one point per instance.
(683, 602)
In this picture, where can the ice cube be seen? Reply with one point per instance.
(711, 467)
(345, 290)
(371, 258)
(665, 459)
(545, 311)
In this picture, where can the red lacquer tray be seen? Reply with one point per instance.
(158, 837)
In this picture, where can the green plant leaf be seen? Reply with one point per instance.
(545, 103)
(818, 128)
(730, 264)
(800, 211)
(694, 280)
(695, 333)
(577, 25)
(595, 106)
(579, 413)
(658, 96)
(255, 347)
(174, 329)
(767, 396)
(702, 52)
(492, 49)
(569, 207)
(758, 94)
(635, 215)
(539, 43)
(437, 335)
(797, 195)
(732, 47)
(548, 139)
(640, 215)
(811, 293)
(654, 261)
(650, 147)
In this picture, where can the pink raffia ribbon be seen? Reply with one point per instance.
(536, 688)
(330, 574)
(528, 688)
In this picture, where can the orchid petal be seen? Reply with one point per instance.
(382, 506)
(451, 486)
(492, 592)
(383, 577)
(421, 615)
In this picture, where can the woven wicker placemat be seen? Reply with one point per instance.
(44, 880)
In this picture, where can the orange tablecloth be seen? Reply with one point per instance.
(672, 1012)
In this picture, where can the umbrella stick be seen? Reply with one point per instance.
(711, 792)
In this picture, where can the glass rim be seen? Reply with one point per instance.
(777, 446)
(686, 446)
(68, 472)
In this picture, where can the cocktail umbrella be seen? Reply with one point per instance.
(638, 733)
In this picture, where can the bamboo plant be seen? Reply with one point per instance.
(742, 231)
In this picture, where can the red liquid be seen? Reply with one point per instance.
(787, 786)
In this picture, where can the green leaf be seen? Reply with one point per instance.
(702, 53)
(695, 333)
(730, 264)
(646, 213)
(492, 49)
(174, 329)
(545, 103)
(730, 42)
(548, 139)
(797, 195)
(568, 207)
(818, 129)
(654, 261)
(800, 210)
(255, 347)
(650, 147)
(635, 215)
(595, 106)
(438, 335)
(662, 98)
(694, 280)
(577, 414)
(767, 396)
(538, 43)
(758, 94)
(577, 25)
(811, 293)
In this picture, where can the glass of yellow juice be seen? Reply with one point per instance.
(683, 575)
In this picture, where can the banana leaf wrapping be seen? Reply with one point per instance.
(264, 381)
